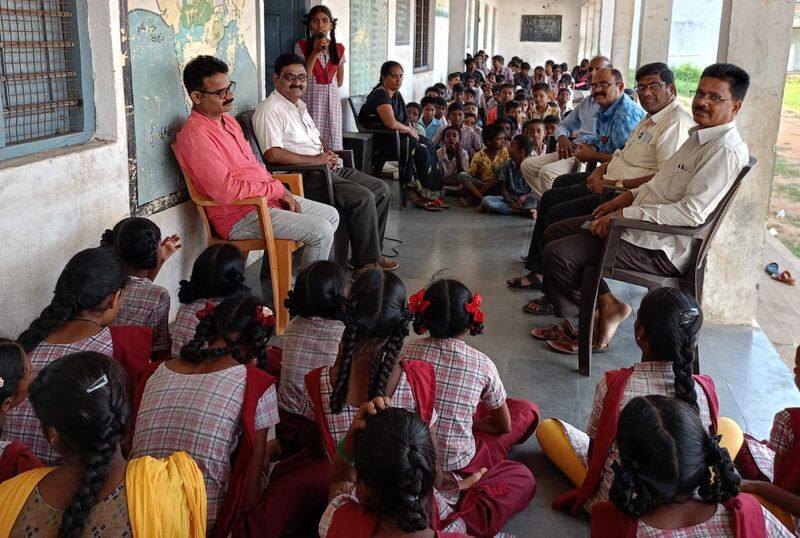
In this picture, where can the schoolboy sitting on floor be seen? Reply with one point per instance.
(414, 113)
(469, 138)
(429, 120)
(453, 159)
(535, 130)
(516, 195)
(484, 167)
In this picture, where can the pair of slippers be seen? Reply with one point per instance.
(562, 338)
(775, 273)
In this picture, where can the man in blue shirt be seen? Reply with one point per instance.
(540, 172)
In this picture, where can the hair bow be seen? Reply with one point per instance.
(208, 309)
(264, 317)
(417, 303)
(477, 316)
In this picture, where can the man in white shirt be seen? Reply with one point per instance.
(287, 135)
(684, 192)
(651, 143)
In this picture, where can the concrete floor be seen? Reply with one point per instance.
(483, 251)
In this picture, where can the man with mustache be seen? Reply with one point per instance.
(287, 135)
(213, 151)
(648, 147)
(579, 126)
(684, 192)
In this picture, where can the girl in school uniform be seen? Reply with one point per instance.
(15, 375)
(666, 331)
(82, 405)
(138, 243)
(391, 492)
(311, 341)
(217, 273)
(773, 467)
(376, 324)
(478, 424)
(214, 403)
(674, 480)
(324, 58)
(80, 317)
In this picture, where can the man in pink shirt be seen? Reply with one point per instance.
(213, 151)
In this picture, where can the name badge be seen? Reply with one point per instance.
(681, 168)
(645, 137)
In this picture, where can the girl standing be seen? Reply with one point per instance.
(325, 66)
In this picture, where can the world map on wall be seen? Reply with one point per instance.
(164, 35)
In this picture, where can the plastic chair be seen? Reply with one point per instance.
(692, 281)
(356, 102)
(276, 265)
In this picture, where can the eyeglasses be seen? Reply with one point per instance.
(223, 93)
(291, 78)
(653, 86)
(699, 95)
(602, 85)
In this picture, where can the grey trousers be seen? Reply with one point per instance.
(568, 249)
(314, 226)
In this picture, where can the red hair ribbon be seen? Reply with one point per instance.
(417, 303)
(474, 308)
(264, 317)
(208, 309)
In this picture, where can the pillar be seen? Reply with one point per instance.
(755, 35)
(458, 35)
(622, 35)
(582, 33)
(598, 18)
(590, 21)
(607, 26)
(654, 31)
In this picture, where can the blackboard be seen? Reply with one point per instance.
(545, 28)
(402, 31)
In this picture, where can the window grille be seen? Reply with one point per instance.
(421, 33)
(40, 86)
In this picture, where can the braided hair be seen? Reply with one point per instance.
(136, 240)
(88, 279)
(217, 272)
(91, 419)
(333, 50)
(395, 457)
(445, 315)
(671, 320)
(13, 368)
(318, 291)
(375, 310)
(236, 322)
(665, 456)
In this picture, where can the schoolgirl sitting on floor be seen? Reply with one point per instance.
(139, 245)
(216, 404)
(82, 406)
(376, 324)
(666, 331)
(478, 424)
(382, 479)
(15, 375)
(674, 480)
(86, 300)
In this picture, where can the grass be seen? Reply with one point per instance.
(784, 168)
(791, 94)
(791, 191)
(791, 245)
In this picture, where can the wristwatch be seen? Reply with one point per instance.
(620, 183)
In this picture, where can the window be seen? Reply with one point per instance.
(422, 15)
(45, 101)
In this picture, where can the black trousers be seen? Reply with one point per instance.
(363, 205)
(568, 249)
(569, 197)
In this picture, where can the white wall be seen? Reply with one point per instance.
(509, 16)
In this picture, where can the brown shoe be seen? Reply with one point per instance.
(388, 265)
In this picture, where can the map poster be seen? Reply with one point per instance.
(162, 37)
(369, 47)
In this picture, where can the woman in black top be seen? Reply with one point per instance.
(386, 109)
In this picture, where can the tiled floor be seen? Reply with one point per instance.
(483, 251)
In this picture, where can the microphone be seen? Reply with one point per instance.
(319, 35)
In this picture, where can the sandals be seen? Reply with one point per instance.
(775, 273)
(538, 307)
(440, 203)
(516, 283)
(428, 205)
(555, 331)
(569, 346)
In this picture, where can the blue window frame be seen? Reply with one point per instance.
(46, 96)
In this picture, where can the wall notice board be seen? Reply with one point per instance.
(369, 25)
(543, 28)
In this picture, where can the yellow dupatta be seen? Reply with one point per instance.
(166, 497)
